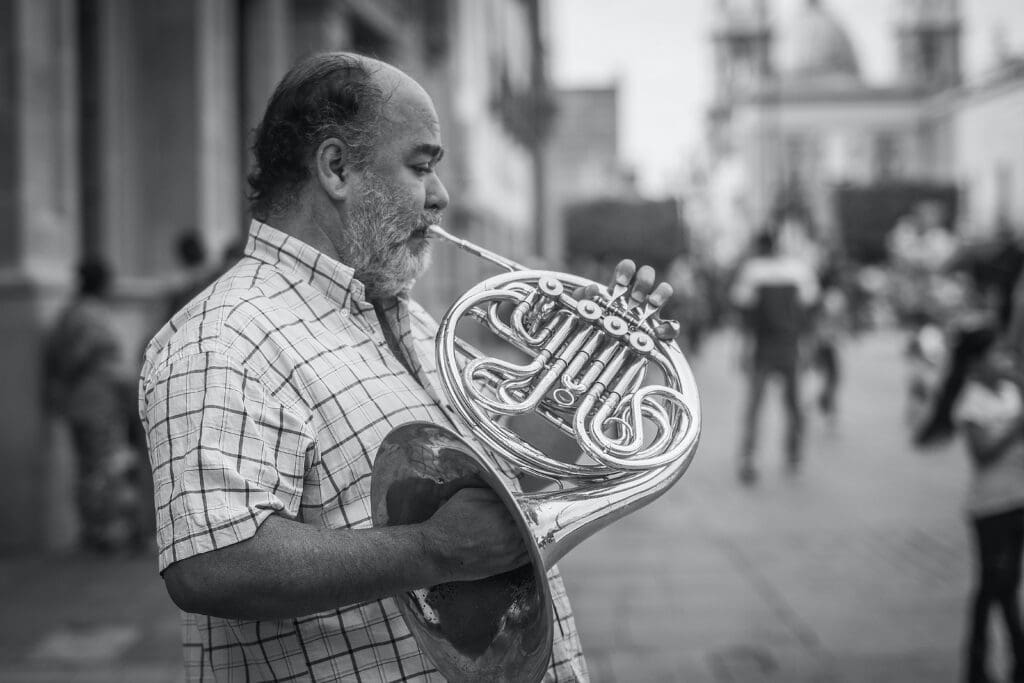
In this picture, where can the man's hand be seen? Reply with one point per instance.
(641, 291)
(475, 535)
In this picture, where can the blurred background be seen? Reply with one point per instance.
(882, 141)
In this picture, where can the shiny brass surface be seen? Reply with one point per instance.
(593, 368)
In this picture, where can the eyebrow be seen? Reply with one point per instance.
(434, 151)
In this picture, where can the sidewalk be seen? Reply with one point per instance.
(855, 570)
(85, 619)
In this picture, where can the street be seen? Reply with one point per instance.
(855, 569)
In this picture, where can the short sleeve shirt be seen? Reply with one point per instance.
(269, 393)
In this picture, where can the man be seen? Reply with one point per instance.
(85, 385)
(774, 294)
(266, 398)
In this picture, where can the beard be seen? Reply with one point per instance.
(379, 246)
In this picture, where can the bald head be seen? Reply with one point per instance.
(403, 99)
(333, 95)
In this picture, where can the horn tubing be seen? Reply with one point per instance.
(508, 264)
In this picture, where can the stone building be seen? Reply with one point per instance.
(793, 121)
(582, 159)
(124, 123)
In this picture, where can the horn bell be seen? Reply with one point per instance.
(494, 629)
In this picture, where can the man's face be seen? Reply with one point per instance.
(396, 197)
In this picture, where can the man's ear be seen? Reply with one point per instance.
(332, 172)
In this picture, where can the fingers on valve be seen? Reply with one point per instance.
(643, 283)
(661, 294)
(589, 292)
(667, 330)
(624, 273)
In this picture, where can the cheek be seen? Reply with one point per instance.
(415, 197)
(411, 191)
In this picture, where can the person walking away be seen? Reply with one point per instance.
(774, 294)
(84, 386)
(990, 413)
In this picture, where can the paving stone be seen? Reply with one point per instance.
(86, 643)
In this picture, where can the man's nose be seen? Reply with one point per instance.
(437, 195)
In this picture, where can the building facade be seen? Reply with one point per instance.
(794, 120)
(582, 159)
(125, 123)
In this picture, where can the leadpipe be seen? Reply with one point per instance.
(436, 231)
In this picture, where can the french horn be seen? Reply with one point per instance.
(596, 370)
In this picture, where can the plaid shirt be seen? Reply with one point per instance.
(270, 393)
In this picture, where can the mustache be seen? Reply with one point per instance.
(431, 218)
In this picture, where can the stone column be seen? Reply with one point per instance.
(268, 53)
(120, 200)
(266, 27)
(39, 208)
(219, 190)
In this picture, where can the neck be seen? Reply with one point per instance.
(304, 222)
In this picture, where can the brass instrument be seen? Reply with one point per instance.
(591, 371)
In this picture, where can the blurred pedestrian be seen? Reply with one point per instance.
(990, 412)
(196, 272)
(773, 294)
(970, 323)
(919, 246)
(689, 306)
(995, 265)
(85, 386)
(831, 325)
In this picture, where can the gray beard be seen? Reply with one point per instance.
(377, 245)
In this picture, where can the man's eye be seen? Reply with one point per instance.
(423, 169)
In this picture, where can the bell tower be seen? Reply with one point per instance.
(928, 42)
(742, 40)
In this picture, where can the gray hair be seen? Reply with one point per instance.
(323, 96)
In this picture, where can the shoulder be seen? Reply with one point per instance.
(231, 317)
(798, 269)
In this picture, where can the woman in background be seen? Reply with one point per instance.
(990, 412)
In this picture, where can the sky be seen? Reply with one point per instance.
(659, 54)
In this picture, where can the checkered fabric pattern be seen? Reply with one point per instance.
(270, 393)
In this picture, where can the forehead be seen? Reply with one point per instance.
(410, 117)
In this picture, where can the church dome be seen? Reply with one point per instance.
(815, 48)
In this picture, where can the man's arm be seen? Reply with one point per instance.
(290, 569)
(229, 463)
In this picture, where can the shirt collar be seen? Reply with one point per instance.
(331, 277)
